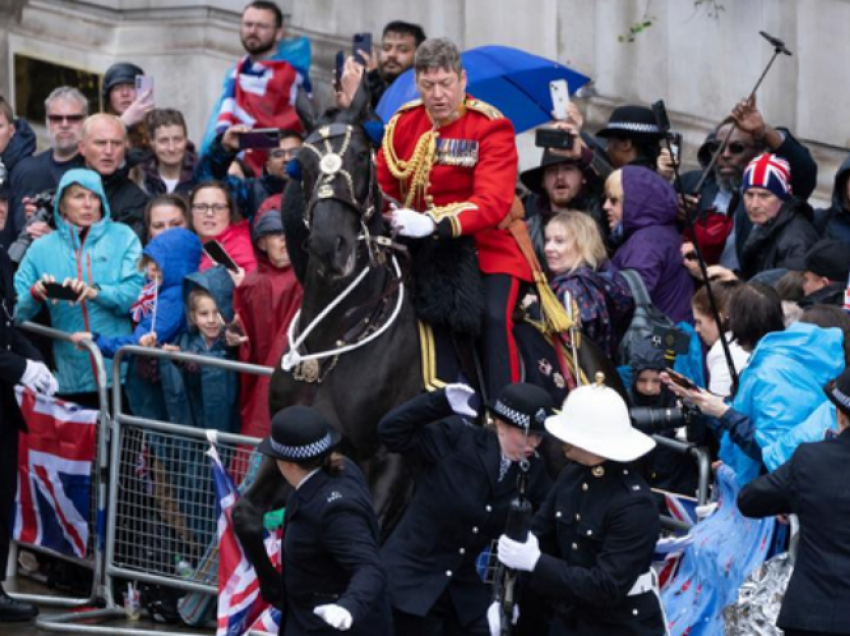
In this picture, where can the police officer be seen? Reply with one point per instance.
(333, 577)
(592, 541)
(468, 479)
(20, 363)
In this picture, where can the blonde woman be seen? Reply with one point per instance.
(579, 265)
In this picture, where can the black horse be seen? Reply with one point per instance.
(357, 315)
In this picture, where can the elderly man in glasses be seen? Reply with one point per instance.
(725, 225)
(66, 109)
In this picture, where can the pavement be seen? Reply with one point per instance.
(28, 586)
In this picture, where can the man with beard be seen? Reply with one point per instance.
(724, 225)
(398, 48)
(66, 109)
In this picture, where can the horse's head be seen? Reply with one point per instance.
(340, 189)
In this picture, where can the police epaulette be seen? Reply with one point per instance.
(489, 111)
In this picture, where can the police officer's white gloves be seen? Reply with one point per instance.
(494, 618)
(38, 378)
(460, 399)
(412, 223)
(519, 556)
(334, 615)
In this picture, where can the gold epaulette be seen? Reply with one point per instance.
(489, 111)
(411, 104)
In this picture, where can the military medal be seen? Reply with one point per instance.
(457, 152)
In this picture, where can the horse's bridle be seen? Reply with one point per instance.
(335, 182)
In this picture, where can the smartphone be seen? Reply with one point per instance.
(553, 138)
(56, 291)
(560, 93)
(259, 138)
(340, 64)
(235, 327)
(681, 380)
(362, 42)
(144, 83)
(216, 252)
(676, 145)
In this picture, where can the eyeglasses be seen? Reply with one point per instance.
(71, 119)
(206, 208)
(734, 148)
(281, 153)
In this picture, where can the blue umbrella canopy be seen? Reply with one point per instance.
(515, 82)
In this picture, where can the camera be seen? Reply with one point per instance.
(553, 138)
(652, 419)
(43, 202)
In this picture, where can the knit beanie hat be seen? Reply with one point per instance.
(769, 172)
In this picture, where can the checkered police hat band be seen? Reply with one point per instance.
(841, 397)
(308, 451)
(512, 415)
(633, 127)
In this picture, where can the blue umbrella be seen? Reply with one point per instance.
(515, 82)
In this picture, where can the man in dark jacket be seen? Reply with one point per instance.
(398, 47)
(17, 142)
(719, 202)
(782, 229)
(66, 109)
(813, 485)
(827, 268)
(20, 363)
(461, 501)
(104, 147)
(249, 194)
(834, 222)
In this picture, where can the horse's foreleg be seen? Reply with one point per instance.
(268, 492)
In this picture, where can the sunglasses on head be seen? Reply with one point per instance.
(734, 148)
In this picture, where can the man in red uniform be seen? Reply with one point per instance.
(451, 162)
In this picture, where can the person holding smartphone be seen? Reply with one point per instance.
(122, 97)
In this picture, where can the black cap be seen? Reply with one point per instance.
(533, 178)
(269, 223)
(120, 73)
(525, 406)
(830, 259)
(838, 392)
(632, 122)
(299, 434)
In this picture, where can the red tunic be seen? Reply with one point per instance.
(471, 185)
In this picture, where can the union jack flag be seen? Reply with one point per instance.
(53, 504)
(145, 303)
(240, 606)
(770, 172)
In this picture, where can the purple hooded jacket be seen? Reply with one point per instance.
(652, 245)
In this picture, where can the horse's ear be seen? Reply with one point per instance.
(358, 111)
(305, 110)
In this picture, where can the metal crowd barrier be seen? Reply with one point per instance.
(161, 524)
(703, 460)
(94, 559)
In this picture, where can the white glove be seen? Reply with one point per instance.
(459, 397)
(519, 556)
(494, 618)
(38, 378)
(412, 223)
(334, 615)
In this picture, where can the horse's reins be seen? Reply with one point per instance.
(331, 166)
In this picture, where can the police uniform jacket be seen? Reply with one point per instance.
(815, 485)
(331, 555)
(472, 180)
(458, 508)
(598, 529)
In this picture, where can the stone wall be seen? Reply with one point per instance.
(699, 64)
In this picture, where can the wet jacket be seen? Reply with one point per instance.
(652, 243)
(106, 255)
(155, 186)
(782, 242)
(834, 222)
(126, 199)
(178, 253)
